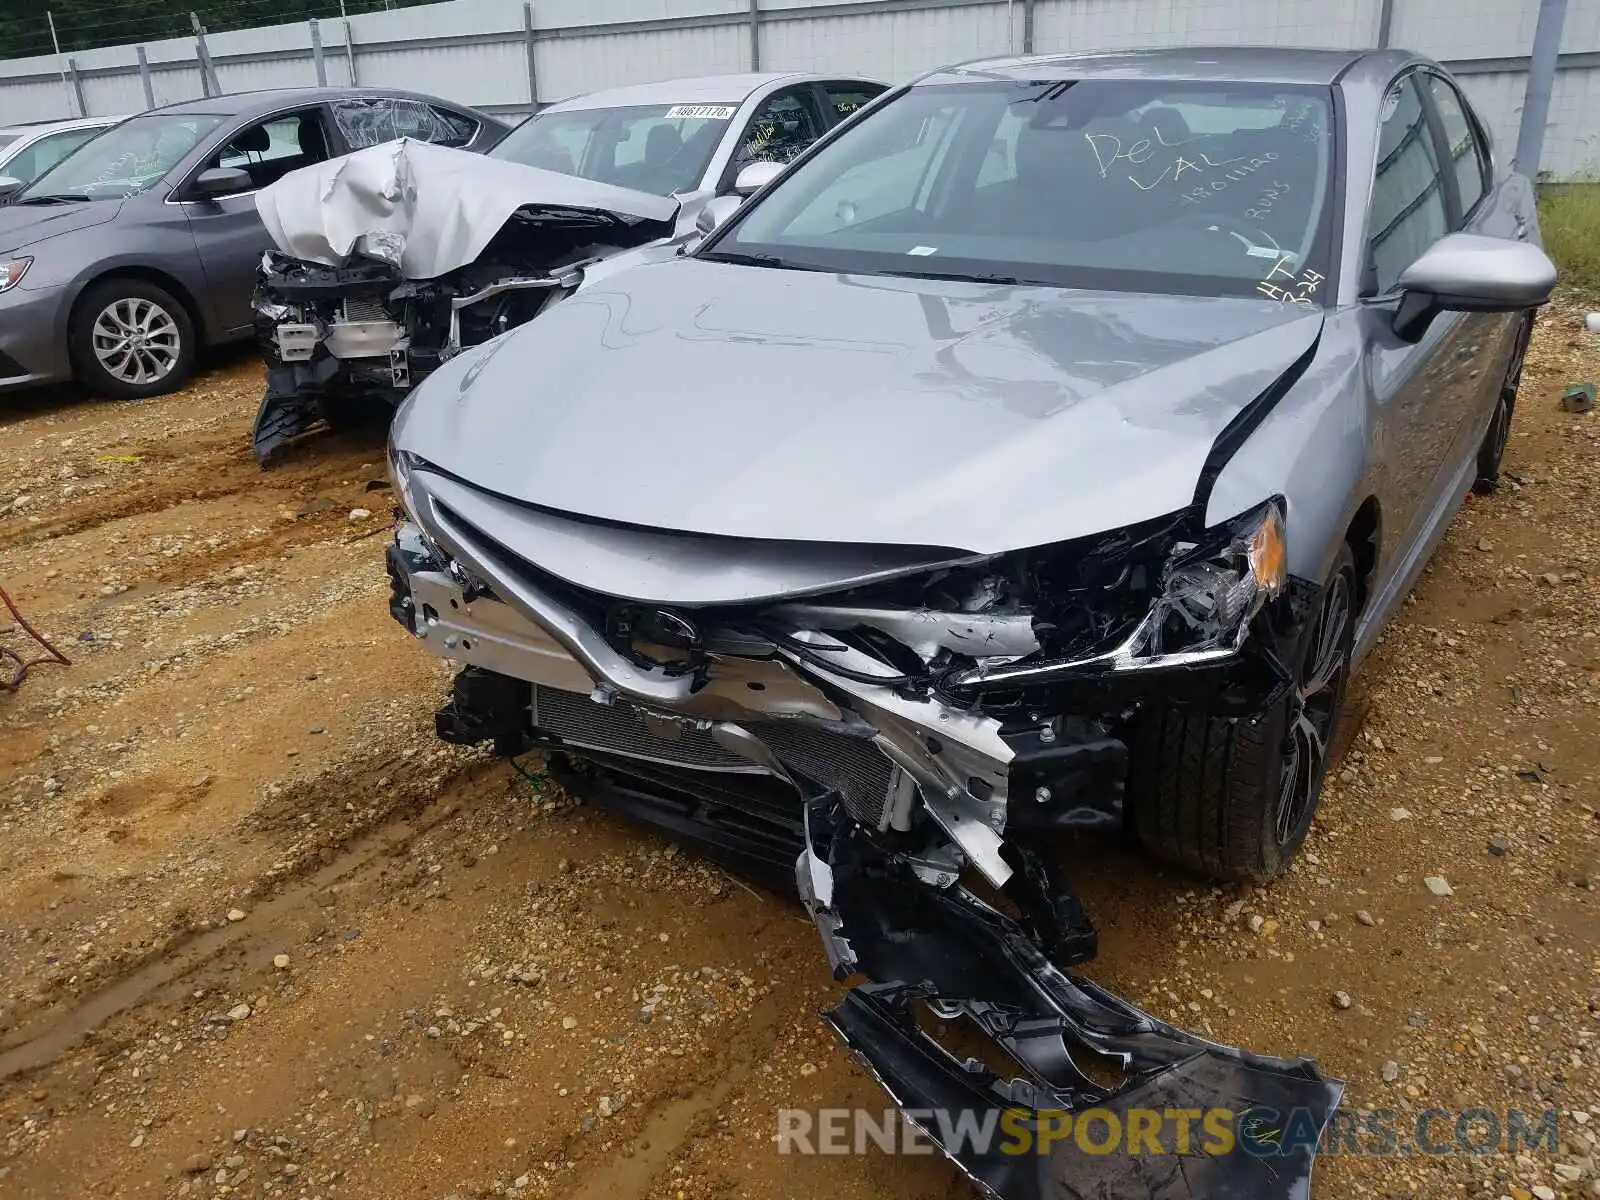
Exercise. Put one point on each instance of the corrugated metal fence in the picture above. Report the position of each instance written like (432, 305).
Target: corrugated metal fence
(510, 55)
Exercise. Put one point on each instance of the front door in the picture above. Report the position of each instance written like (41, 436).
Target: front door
(227, 229)
(1425, 394)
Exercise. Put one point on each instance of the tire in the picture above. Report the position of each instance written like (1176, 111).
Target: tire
(1214, 795)
(131, 339)
(1494, 441)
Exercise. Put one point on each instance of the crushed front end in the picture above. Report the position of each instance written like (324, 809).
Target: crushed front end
(896, 731)
(394, 259)
(345, 344)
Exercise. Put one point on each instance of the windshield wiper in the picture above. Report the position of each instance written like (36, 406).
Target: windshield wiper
(54, 198)
(755, 260)
(964, 277)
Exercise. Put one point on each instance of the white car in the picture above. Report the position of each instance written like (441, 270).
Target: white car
(368, 296)
(28, 151)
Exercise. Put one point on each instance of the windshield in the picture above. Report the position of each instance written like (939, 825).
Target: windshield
(1137, 185)
(658, 148)
(125, 160)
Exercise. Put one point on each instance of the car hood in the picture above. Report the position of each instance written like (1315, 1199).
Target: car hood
(23, 225)
(426, 209)
(760, 403)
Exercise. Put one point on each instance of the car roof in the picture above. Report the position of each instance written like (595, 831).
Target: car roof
(699, 89)
(32, 129)
(1231, 64)
(270, 100)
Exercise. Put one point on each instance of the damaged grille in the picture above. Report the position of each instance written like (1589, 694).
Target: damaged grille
(364, 310)
(617, 728)
(863, 777)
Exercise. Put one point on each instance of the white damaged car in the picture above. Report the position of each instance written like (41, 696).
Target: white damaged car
(392, 260)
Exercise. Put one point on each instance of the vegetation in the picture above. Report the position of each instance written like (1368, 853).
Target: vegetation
(82, 24)
(1569, 219)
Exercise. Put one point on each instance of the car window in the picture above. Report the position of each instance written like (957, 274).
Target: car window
(1187, 187)
(783, 126)
(269, 150)
(658, 148)
(1469, 156)
(897, 180)
(845, 97)
(1408, 210)
(372, 120)
(131, 158)
(38, 157)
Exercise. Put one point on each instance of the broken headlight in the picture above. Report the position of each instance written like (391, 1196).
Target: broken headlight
(1148, 598)
(401, 463)
(1211, 590)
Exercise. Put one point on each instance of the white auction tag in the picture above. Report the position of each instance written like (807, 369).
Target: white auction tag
(707, 112)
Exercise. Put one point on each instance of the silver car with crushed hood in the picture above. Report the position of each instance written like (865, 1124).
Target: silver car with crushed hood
(392, 263)
(1043, 449)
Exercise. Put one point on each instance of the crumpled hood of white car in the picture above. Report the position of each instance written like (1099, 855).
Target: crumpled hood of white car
(428, 209)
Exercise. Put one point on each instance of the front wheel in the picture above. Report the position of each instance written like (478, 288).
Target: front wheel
(1233, 798)
(1493, 448)
(131, 339)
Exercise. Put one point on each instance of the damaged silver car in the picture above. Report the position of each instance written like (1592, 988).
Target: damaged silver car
(1043, 449)
(392, 261)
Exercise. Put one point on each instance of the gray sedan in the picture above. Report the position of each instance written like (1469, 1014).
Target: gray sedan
(139, 248)
(1043, 448)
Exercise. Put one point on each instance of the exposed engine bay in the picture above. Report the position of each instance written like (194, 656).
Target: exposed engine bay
(393, 260)
(896, 737)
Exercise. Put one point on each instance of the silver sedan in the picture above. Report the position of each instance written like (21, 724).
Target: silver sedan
(1044, 448)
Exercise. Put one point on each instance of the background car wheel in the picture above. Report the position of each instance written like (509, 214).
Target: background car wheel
(1494, 441)
(1233, 799)
(131, 339)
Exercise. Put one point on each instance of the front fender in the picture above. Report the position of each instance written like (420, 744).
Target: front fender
(1313, 448)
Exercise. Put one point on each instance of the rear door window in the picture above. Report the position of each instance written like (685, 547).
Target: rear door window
(844, 97)
(372, 120)
(1469, 155)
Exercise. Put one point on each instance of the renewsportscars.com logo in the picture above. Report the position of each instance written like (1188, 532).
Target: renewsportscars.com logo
(1258, 1132)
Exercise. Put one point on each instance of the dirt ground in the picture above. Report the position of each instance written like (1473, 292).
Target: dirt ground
(261, 935)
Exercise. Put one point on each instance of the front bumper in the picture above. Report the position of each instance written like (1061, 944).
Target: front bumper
(881, 800)
(759, 711)
(33, 344)
(1186, 1119)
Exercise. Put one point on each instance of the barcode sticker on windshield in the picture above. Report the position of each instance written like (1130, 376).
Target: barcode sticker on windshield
(923, 250)
(704, 112)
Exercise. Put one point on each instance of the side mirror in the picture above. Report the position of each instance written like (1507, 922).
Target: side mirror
(755, 177)
(1466, 272)
(220, 181)
(716, 212)
(9, 187)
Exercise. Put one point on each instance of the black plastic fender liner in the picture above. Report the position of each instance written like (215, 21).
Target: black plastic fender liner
(950, 949)
(1250, 1129)
(285, 413)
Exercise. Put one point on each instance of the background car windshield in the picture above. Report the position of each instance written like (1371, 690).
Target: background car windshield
(125, 160)
(1210, 189)
(658, 148)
